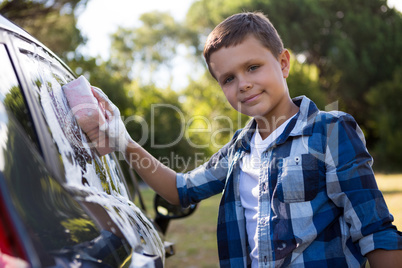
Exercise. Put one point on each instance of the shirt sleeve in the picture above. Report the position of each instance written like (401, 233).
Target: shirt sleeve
(351, 185)
(206, 180)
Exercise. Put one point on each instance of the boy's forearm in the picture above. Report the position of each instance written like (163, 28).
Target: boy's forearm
(159, 177)
(385, 258)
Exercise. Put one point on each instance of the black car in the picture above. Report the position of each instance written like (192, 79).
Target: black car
(61, 204)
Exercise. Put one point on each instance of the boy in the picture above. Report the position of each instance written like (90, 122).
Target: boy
(298, 188)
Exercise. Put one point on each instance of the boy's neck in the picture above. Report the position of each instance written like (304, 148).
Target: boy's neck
(268, 125)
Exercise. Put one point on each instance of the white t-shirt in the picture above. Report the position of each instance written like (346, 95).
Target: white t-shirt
(249, 190)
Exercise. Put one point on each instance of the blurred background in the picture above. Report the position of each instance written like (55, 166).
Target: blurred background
(345, 54)
(150, 52)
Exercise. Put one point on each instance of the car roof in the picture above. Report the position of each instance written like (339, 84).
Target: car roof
(11, 27)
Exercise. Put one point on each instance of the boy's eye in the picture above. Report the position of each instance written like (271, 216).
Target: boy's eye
(253, 67)
(228, 80)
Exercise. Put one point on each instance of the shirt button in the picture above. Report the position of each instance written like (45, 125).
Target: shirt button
(280, 164)
(265, 187)
(264, 221)
(282, 246)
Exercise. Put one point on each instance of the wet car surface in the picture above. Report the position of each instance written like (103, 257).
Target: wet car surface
(61, 204)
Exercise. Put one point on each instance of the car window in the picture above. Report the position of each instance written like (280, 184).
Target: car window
(10, 95)
(82, 165)
(35, 194)
(95, 179)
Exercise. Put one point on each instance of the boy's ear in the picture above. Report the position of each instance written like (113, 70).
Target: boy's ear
(284, 60)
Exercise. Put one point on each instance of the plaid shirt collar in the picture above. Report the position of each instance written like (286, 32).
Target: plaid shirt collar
(301, 124)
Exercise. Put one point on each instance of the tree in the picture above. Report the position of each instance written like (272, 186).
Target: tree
(211, 121)
(385, 117)
(356, 46)
(102, 74)
(53, 22)
(141, 51)
(304, 80)
(157, 122)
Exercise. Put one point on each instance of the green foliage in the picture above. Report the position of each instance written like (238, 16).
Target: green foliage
(103, 75)
(15, 102)
(352, 52)
(80, 229)
(149, 46)
(204, 15)
(157, 123)
(211, 119)
(356, 46)
(51, 22)
(304, 80)
(385, 116)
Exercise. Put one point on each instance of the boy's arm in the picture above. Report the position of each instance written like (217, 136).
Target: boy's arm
(158, 176)
(385, 258)
(351, 186)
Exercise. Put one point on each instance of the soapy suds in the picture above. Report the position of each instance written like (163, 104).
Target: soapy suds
(102, 185)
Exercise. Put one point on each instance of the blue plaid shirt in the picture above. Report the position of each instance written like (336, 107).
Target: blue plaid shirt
(319, 205)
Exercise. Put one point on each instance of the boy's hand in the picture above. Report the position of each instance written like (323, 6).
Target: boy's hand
(98, 117)
(113, 130)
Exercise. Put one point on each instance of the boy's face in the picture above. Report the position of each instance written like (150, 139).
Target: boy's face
(252, 79)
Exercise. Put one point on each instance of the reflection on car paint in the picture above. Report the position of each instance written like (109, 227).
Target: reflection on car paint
(11, 96)
(82, 166)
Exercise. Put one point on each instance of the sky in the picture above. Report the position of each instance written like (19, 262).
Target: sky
(102, 18)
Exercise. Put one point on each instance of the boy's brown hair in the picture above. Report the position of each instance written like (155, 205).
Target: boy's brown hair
(233, 30)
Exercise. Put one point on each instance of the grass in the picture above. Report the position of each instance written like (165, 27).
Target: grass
(195, 236)
(391, 187)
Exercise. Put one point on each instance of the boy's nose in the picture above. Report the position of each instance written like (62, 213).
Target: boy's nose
(245, 85)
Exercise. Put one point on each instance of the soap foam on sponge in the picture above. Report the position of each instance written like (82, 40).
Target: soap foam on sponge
(89, 113)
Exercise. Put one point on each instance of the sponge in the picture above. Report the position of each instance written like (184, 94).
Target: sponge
(89, 113)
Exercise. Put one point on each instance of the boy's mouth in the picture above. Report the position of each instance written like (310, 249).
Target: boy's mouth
(251, 98)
